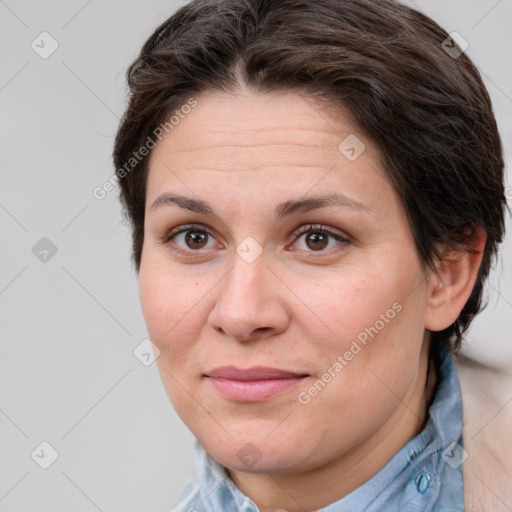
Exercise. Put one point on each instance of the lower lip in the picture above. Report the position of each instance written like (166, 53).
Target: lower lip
(254, 390)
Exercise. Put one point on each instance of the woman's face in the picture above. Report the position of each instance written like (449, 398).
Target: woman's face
(280, 281)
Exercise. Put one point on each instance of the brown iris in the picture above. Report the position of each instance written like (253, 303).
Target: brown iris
(196, 239)
(316, 240)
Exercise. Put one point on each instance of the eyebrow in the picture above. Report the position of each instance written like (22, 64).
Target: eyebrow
(282, 210)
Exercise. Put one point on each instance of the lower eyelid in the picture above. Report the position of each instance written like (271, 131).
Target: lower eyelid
(341, 243)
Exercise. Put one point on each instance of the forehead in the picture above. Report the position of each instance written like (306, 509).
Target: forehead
(285, 142)
(221, 121)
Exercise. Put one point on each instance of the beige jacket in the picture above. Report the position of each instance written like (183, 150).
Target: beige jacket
(487, 434)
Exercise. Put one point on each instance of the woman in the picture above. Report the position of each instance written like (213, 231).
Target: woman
(316, 195)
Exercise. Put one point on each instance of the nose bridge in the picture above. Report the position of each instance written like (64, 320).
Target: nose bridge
(247, 302)
(245, 282)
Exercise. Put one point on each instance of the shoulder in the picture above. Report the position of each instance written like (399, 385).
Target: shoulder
(487, 435)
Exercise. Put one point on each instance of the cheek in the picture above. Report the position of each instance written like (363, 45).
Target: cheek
(358, 304)
(374, 322)
(165, 311)
(379, 336)
(157, 300)
(171, 305)
(170, 299)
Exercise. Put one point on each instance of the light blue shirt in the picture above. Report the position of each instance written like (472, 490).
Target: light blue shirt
(425, 475)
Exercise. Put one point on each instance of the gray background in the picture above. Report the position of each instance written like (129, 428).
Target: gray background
(70, 323)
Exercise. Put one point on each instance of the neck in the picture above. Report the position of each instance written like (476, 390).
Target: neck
(329, 483)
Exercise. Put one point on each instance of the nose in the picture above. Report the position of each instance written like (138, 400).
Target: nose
(249, 305)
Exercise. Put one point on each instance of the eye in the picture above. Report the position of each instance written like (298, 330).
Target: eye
(318, 238)
(187, 239)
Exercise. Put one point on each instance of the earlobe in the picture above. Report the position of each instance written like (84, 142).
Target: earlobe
(451, 284)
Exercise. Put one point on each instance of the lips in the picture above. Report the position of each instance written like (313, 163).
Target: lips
(252, 384)
(255, 373)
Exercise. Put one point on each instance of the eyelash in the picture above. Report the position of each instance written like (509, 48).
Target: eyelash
(313, 228)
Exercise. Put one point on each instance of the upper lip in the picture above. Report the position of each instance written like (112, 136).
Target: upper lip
(254, 373)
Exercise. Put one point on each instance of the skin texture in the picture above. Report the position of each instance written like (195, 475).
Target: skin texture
(295, 307)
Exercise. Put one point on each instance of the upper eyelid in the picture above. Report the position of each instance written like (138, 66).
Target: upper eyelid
(305, 228)
(187, 227)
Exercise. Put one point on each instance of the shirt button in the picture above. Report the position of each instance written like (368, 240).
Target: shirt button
(423, 482)
(412, 455)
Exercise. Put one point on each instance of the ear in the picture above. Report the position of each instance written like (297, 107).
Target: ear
(451, 284)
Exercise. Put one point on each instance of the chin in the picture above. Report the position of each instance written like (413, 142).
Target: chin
(257, 454)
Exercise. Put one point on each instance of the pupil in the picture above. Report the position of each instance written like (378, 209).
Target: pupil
(194, 239)
(319, 240)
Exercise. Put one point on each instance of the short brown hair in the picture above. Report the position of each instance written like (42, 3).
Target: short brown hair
(425, 108)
